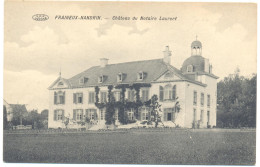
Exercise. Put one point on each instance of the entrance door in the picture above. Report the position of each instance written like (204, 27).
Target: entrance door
(169, 116)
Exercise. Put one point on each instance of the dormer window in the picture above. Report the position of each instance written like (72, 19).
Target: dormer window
(82, 80)
(101, 79)
(189, 68)
(140, 75)
(120, 77)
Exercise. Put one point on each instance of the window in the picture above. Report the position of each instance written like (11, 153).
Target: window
(91, 97)
(58, 115)
(208, 101)
(77, 98)
(102, 114)
(82, 80)
(59, 97)
(201, 115)
(78, 114)
(117, 95)
(120, 77)
(131, 114)
(103, 97)
(140, 76)
(189, 68)
(145, 95)
(195, 98)
(131, 95)
(91, 114)
(145, 114)
(169, 114)
(202, 99)
(167, 93)
(116, 114)
(101, 79)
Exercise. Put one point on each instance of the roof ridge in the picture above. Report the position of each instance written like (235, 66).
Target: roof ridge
(138, 61)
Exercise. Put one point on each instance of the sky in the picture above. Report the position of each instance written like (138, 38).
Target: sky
(36, 51)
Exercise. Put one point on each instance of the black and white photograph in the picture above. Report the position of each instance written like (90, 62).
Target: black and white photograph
(137, 83)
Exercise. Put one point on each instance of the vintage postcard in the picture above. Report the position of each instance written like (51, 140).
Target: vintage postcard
(162, 83)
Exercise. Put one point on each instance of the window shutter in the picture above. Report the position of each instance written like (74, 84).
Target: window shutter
(55, 115)
(74, 114)
(95, 113)
(82, 98)
(63, 97)
(128, 96)
(81, 112)
(161, 93)
(55, 97)
(149, 115)
(63, 115)
(165, 116)
(174, 92)
(133, 95)
(87, 113)
(139, 114)
(74, 98)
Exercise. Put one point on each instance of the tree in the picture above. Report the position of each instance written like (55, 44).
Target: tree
(5, 118)
(236, 101)
(155, 109)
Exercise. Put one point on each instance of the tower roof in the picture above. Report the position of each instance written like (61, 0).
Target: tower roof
(196, 44)
(196, 61)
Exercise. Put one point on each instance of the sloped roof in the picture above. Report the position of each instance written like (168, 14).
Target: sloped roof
(151, 68)
(196, 61)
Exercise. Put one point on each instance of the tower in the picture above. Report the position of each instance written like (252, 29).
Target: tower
(196, 48)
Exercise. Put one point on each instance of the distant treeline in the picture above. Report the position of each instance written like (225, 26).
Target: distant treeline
(236, 101)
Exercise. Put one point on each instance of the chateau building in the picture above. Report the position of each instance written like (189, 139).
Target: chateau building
(193, 87)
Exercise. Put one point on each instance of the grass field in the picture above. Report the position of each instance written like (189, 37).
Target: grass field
(212, 147)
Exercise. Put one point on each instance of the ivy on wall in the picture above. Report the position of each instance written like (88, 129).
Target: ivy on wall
(122, 105)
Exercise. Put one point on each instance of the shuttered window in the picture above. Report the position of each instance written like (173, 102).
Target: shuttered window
(117, 95)
(145, 95)
(59, 97)
(78, 98)
(145, 114)
(78, 114)
(58, 115)
(91, 114)
(130, 114)
(91, 97)
(103, 97)
(131, 95)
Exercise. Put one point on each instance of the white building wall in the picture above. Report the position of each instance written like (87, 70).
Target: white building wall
(184, 92)
(180, 93)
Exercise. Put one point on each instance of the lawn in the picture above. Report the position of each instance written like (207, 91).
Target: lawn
(140, 146)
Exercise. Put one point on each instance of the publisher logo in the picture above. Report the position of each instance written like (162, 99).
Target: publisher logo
(40, 17)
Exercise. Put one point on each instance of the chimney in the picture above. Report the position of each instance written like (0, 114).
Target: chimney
(103, 62)
(167, 55)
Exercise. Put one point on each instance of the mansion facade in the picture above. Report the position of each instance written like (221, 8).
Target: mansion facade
(194, 87)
